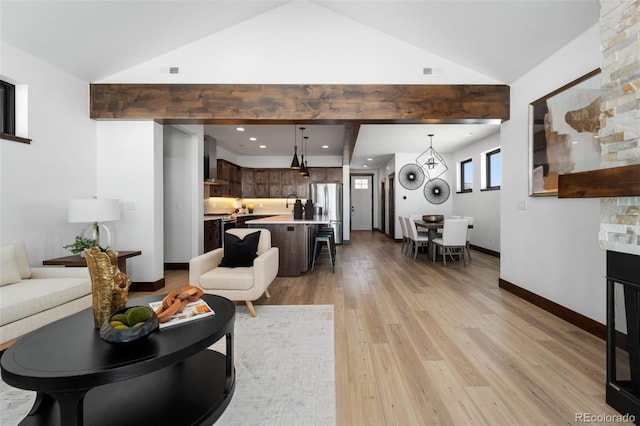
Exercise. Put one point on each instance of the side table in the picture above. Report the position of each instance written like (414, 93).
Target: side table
(76, 261)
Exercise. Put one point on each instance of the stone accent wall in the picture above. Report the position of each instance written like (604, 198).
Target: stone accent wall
(620, 118)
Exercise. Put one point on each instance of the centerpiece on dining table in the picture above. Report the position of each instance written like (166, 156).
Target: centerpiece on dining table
(433, 218)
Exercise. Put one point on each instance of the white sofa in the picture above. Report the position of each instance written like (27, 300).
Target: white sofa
(33, 297)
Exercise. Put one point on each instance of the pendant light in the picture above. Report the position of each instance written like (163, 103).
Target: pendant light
(303, 168)
(306, 167)
(295, 164)
(431, 162)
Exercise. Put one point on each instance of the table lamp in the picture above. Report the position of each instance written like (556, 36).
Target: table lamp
(95, 211)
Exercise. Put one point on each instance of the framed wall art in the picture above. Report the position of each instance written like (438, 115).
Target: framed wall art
(563, 133)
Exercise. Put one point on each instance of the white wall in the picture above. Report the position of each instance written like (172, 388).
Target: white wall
(484, 206)
(299, 42)
(130, 169)
(38, 180)
(551, 248)
(178, 215)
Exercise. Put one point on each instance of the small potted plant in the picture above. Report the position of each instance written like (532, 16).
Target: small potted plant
(79, 244)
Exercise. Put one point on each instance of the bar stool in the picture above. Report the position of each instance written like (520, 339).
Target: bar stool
(327, 230)
(324, 236)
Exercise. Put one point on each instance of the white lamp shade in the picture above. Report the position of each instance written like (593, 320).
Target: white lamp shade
(93, 210)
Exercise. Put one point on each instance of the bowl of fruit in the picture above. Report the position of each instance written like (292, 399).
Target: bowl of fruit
(129, 325)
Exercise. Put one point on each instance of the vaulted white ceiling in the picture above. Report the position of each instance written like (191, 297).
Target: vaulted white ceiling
(94, 39)
(499, 39)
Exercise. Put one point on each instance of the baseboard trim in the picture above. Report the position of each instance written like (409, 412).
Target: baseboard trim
(147, 286)
(572, 317)
(485, 251)
(178, 266)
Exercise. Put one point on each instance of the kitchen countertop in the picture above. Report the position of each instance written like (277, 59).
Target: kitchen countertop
(216, 216)
(288, 220)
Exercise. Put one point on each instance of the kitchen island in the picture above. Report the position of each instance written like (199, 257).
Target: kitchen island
(294, 239)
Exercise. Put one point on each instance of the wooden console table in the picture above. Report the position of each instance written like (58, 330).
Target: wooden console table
(77, 260)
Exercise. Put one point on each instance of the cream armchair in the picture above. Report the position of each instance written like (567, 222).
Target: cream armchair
(240, 283)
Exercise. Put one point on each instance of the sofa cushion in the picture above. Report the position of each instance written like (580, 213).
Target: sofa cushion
(21, 257)
(9, 273)
(28, 297)
(240, 278)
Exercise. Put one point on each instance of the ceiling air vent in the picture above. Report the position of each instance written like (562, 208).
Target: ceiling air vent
(432, 71)
(174, 70)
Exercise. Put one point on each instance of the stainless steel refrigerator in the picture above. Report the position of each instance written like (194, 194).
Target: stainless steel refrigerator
(328, 196)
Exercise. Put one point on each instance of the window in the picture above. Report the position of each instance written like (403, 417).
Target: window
(14, 121)
(466, 176)
(7, 108)
(493, 169)
(361, 183)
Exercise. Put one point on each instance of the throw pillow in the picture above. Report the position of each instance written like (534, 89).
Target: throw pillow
(240, 252)
(9, 272)
(21, 257)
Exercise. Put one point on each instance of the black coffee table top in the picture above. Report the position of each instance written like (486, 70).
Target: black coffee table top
(69, 354)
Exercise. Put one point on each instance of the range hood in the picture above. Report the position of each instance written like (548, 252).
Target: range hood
(211, 162)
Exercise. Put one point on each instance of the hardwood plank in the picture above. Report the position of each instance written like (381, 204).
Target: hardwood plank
(418, 344)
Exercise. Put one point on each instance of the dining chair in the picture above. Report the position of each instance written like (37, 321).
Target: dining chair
(405, 236)
(415, 217)
(468, 246)
(417, 239)
(453, 241)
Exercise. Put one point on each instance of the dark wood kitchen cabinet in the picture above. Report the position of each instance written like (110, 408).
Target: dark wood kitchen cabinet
(275, 185)
(211, 235)
(288, 181)
(325, 174)
(260, 183)
(230, 177)
(247, 183)
(250, 182)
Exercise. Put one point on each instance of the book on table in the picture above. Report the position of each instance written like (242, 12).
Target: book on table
(193, 311)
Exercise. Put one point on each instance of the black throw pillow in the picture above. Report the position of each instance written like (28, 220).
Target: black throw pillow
(240, 252)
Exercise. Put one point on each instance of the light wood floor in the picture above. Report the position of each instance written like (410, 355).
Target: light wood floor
(418, 344)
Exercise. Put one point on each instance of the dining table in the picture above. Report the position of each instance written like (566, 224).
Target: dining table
(432, 229)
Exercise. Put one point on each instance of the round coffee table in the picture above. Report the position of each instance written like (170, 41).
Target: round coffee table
(168, 378)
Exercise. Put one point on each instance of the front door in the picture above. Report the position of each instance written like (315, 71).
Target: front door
(361, 202)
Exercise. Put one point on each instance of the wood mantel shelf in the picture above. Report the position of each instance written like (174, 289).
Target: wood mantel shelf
(621, 181)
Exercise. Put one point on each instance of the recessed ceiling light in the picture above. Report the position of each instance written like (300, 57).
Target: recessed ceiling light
(325, 146)
(369, 159)
(263, 146)
(365, 166)
(253, 139)
(240, 129)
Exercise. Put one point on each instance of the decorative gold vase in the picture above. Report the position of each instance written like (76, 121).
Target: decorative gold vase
(109, 285)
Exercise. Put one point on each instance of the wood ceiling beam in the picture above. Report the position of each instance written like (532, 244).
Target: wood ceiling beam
(303, 103)
(349, 142)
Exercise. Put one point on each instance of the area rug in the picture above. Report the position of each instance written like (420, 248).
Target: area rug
(285, 370)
